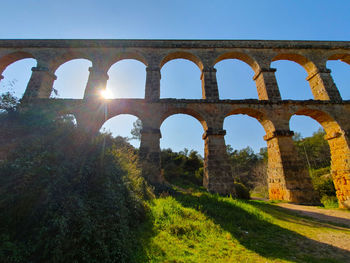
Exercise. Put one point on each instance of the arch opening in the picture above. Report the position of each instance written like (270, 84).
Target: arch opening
(8, 59)
(247, 152)
(127, 79)
(291, 80)
(325, 153)
(182, 150)
(72, 77)
(309, 140)
(235, 80)
(122, 125)
(16, 77)
(180, 80)
(182, 55)
(340, 71)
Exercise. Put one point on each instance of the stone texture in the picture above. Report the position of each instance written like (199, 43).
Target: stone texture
(288, 179)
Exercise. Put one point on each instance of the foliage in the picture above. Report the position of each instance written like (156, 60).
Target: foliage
(183, 167)
(65, 197)
(323, 182)
(203, 227)
(259, 180)
(8, 102)
(314, 150)
(329, 201)
(242, 191)
(136, 130)
(242, 164)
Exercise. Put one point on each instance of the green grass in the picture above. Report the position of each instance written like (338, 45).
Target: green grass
(200, 227)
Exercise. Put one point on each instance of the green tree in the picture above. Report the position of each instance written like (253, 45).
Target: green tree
(136, 130)
(314, 150)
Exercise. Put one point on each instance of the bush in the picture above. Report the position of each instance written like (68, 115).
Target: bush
(67, 198)
(183, 168)
(323, 182)
(329, 201)
(260, 191)
(242, 191)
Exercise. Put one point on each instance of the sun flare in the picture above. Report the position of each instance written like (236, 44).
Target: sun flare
(106, 94)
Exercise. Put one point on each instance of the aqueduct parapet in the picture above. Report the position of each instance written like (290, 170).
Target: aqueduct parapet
(288, 178)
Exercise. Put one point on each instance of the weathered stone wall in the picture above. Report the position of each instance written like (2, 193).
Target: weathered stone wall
(288, 179)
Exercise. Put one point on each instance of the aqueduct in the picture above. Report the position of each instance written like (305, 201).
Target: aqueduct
(287, 177)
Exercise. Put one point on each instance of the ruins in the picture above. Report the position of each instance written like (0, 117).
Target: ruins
(288, 179)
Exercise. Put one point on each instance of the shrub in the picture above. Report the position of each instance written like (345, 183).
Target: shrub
(323, 182)
(183, 168)
(67, 198)
(329, 201)
(242, 191)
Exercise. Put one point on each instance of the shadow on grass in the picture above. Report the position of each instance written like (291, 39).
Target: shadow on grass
(257, 234)
(292, 215)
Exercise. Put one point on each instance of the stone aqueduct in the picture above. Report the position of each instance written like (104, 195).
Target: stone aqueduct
(287, 177)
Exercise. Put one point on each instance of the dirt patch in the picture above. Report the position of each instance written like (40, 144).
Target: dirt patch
(326, 215)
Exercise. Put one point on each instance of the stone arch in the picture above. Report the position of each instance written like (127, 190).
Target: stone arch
(260, 116)
(181, 55)
(9, 60)
(12, 57)
(310, 70)
(239, 56)
(77, 87)
(60, 59)
(244, 133)
(115, 58)
(345, 57)
(135, 90)
(338, 64)
(198, 116)
(126, 119)
(329, 124)
(186, 65)
(122, 112)
(303, 61)
(235, 80)
(340, 152)
(264, 77)
(287, 178)
(187, 138)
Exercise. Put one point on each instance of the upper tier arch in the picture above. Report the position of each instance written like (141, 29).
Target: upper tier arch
(12, 57)
(240, 56)
(303, 61)
(181, 55)
(345, 57)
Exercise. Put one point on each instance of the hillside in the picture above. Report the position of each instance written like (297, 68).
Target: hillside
(195, 226)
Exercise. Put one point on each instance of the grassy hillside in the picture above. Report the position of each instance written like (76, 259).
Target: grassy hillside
(201, 227)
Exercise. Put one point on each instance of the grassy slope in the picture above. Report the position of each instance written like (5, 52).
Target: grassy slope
(200, 227)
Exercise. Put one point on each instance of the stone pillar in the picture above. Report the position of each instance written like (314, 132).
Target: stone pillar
(266, 84)
(96, 83)
(209, 84)
(288, 177)
(149, 154)
(322, 85)
(340, 156)
(217, 170)
(91, 116)
(40, 83)
(152, 89)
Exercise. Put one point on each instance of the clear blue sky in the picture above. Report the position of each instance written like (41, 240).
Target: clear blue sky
(204, 19)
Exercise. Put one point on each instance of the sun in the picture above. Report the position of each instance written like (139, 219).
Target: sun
(106, 94)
